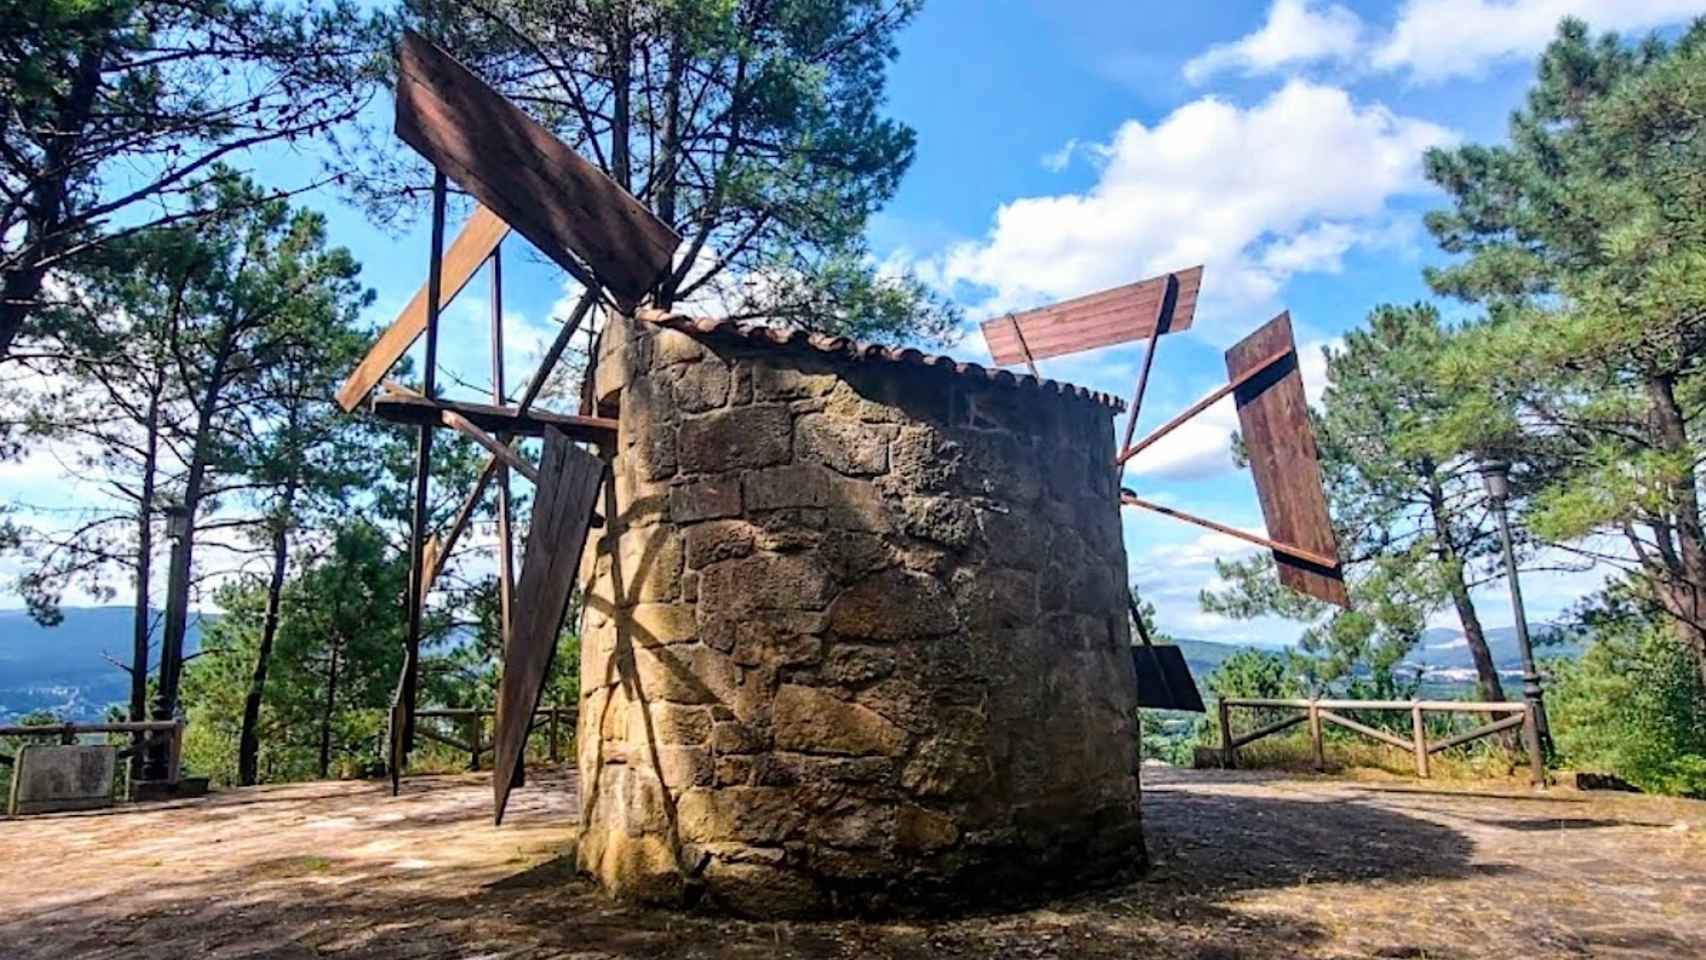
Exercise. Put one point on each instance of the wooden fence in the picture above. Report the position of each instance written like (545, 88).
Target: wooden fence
(1319, 712)
(474, 721)
(142, 730)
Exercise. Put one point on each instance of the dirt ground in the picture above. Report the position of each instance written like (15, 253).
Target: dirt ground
(1245, 865)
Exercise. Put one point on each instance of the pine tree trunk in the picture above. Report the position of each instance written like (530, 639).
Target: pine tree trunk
(327, 711)
(1486, 671)
(1684, 581)
(144, 572)
(248, 742)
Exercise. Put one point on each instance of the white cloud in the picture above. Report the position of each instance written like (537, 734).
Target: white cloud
(1296, 32)
(1439, 39)
(1060, 159)
(1259, 194)
(1430, 40)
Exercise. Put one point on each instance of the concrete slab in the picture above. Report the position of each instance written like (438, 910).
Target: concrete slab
(50, 778)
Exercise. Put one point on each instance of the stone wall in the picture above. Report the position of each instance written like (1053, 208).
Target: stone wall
(855, 638)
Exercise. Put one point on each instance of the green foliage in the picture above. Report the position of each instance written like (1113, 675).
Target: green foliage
(1633, 705)
(337, 653)
(1585, 238)
(115, 108)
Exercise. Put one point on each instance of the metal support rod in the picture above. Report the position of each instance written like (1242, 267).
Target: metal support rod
(506, 553)
(1321, 560)
(490, 469)
(1191, 411)
(1025, 348)
(403, 715)
(1163, 318)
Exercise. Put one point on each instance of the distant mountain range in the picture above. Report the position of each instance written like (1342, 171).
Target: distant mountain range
(66, 668)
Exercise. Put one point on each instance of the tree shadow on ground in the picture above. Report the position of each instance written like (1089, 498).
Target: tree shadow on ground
(1209, 850)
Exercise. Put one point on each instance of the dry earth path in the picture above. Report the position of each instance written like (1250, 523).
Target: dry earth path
(1245, 866)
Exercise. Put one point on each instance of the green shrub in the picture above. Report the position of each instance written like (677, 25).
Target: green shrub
(1633, 705)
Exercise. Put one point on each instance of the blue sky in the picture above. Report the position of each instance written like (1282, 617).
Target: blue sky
(1066, 147)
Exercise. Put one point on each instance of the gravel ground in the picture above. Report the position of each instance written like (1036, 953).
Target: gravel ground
(1245, 865)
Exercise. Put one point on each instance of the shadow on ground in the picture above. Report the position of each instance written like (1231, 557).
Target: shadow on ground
(1242, 868)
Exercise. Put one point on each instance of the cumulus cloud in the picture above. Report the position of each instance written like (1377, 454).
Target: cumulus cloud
(1439, 39)
(1430, 40)
(1296, 32)
(1259, 194)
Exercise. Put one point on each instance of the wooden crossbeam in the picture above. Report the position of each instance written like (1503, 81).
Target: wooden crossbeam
(1321, 560)
(1366, 730)
(1214, 396)
(480, 236)
(502, 451)
(1161, 323)
(403, 408)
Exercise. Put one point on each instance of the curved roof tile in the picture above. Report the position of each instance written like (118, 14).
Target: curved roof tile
(825, 343)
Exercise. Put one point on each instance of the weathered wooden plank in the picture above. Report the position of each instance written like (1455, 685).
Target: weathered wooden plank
(1097, 320)
(403, 408)
(570, 480)
(479, 237)
(564, 205)
(502, 451)
(1274, 416)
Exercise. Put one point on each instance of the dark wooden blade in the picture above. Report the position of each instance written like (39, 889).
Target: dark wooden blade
(570, 479)
(1098, 320)
(564, 205)
(1274, 417)
(1164, 680)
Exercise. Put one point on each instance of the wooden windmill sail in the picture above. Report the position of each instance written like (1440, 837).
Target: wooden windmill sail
(1265, 383)
(528, 181)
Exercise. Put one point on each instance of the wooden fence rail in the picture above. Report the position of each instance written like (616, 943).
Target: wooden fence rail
(473, 718)
(140, 729)
(1317, 713)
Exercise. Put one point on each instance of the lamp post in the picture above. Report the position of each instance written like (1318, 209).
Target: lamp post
(1496, 474)
(157, 764)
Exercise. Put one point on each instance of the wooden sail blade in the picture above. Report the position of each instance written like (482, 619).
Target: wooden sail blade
(570, 480)
(1131, 312)
(564, 205)
(479, 237)
(1274, 417)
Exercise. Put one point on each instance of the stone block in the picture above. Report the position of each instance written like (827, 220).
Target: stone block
(853, 664)
(918, 830)
(670, 347)
(745, 814)
(49, 778)
(809, 720)
(849, 555)
(718, 540)
(842, 444)
(657, 624)
(922, 460)
(707, 499)
(702, 386)
(739, 438)
(685, 674)
(763, 890)
(773, 381)
(648, 564)
(893, 605)
(763, 582)
(669, 724)
(781, 488)
(943, 520)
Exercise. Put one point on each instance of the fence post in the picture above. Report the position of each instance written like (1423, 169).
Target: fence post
(1226, 760)
(1531, 739)
(474, 738)
(1419, 732)
(555, 755)
(1315, 735)
(175, 752)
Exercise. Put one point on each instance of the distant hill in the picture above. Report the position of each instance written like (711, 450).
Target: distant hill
(65, 668)
(1444, 655)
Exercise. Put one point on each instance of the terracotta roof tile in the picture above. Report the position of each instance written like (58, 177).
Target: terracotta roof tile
(843, 346)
